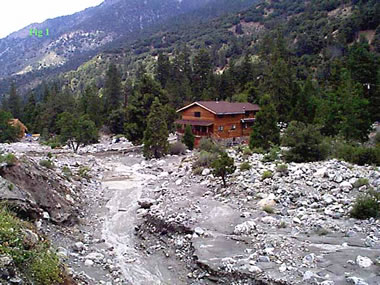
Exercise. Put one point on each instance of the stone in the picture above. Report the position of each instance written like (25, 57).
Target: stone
(263, 259)
(245, 228)
(328, 199)
(199, 231)
(178, 182)
(78, 246)
(15, 280)
(46, 215)
(296, 220)
(363, 261)
(30, 238)
(355, 281)
(88, 262)
(309, 258)
(254, 269)
(146, 203)
(95, 256)
(328, 282)
(5, 260)
(308, 275)
(206, 172)
(62, 252)
(282, 268)
(345, 185)
(267, 202)
(321, 172)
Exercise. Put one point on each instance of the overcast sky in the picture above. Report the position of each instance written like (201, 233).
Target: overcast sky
(16, 14)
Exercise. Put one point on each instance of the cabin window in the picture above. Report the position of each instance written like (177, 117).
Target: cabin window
(220, 116)
(233, 127)
(197, 114)
(220, 128)
(247, 113)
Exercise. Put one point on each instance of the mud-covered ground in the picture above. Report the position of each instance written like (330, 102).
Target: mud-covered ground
(155, 222)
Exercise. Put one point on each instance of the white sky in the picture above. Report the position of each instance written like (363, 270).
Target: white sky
(16, 14)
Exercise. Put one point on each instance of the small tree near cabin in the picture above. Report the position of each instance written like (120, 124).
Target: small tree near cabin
(265, 130)
(223, 166)
(188, 138)
(76, 132)
(156, 134)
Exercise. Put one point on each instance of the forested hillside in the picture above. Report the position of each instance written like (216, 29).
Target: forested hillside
(317, 60)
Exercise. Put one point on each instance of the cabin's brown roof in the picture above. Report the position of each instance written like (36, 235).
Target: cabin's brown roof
(222, 107)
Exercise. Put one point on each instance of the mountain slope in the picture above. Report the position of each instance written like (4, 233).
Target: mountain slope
(74, 39)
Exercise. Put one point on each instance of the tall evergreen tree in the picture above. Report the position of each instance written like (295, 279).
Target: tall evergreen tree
(113, 91)
(14, 102)
(163, 69)
(156, 134)
(265, 130)
(201, 71)
(305, 107)
(188, 138)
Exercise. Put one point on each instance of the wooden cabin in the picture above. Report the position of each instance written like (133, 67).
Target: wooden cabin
(222, 121)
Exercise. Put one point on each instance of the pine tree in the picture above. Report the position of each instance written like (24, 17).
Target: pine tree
(156, 134)
(202, 69)
(265, 130)
(305, 107)
(113, 92)
(223, 166)
(188, 138)
(163, 69)
(14, 102)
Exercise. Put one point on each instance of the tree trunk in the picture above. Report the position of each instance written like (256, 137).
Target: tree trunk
(224, 181)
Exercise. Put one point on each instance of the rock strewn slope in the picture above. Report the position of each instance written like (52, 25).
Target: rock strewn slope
(308, 239)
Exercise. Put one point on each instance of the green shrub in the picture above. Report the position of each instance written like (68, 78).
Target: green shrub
(367, 205)
(258, 150)
(305, 143)
(50, 155)
(66, 171)
(38, 263)
(282, 225)
(52, 142)
(282, 168)
(266, 174)
(177, 148)
(47, 163)
(247, 151)
(208, 145)
(10, 159)
(45, 268)
(205, 159)
(188, 138)
(268, 209)
(245, 166)
(377, 139)
(198, 170)
(356, 154)
(361, 182)
(272, 155)
(84, 172)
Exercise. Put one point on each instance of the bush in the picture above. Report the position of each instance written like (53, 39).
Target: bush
(361, 182)
(205, 159)
(10, 159)
(268, 209)
(208, 145)
(272, 155)
(266, 174)
(84, 172)
(38, 263)
(367, 206)
(177, 148)
(258, 150)
(305, 143)
(223, 166)
(282, 168)
(47, 163)
(247, 152)
(53, 143)
(188, 138)
(245, 166)
(356, 154)
(66, 171)
(198, 171)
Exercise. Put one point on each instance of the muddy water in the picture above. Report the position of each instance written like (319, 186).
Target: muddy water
(124, 185)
